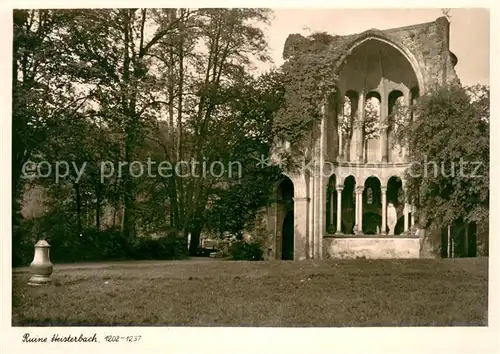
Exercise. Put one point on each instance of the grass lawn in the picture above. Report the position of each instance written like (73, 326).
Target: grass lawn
(360, 292)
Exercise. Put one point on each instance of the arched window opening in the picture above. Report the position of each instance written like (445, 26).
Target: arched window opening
(369, 196)
(372, 206)
(346, 125)
(393, 97)
(348, 205)
(331, 205)
(398, 110)
(395, 199)
(372, 115)
(349, 110)
(286, 191)
(414, 95)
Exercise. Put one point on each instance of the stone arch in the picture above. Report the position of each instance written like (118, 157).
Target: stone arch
(396, 108)
(361, 180)
(394, 197)
(414, 95)
(378, 35)
(276, 185)
(286, 190)
(300, 185)
(284, 237)
(374, 93)
(332, 114)
(376, 184)
(369, 62)
(371, 125)
(350, 110)
(373, 101)
(394, 186)
(348, 205)
(394, 95)
(331, 204)
(287, 244)
(398, 230)
(372, 206)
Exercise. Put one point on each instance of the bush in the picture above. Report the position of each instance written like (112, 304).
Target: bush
(67, 246)
(167, 247)
(107, 244)
(249, 251)
(23, 244)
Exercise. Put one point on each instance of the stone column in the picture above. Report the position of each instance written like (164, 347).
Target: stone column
(407, 101)
(412, 221)
(272, 222)
(450, 247)
(340, 188)
(405, 212)
(310, 221)
(359, 209)
(300, 216)
(407, 98)
(332, 200)
(383, 191)
(466, 239)
(356, 214)
(340, 119)
(359, 128)
(384, 113)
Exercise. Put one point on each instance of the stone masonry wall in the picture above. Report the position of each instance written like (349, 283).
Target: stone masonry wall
(372, 248)
(427, 42)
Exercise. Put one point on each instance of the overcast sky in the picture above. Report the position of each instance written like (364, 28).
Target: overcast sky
(469, 31)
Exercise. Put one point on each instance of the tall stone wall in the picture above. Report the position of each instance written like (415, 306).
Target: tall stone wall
(428, 43)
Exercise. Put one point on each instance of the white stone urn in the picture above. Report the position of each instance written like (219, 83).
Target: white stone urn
(392, 218)
(41, 268)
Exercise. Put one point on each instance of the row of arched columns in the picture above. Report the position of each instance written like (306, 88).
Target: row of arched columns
(373, 199)
(299, 220)
(351, 115)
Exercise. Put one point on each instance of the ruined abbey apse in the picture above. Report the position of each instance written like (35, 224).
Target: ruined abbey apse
(358, 208)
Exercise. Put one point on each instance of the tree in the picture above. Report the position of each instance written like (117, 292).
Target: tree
(127, 85)
(115, 49)
(248, 135)
(39, 93)
(202, 84)
(449, 150)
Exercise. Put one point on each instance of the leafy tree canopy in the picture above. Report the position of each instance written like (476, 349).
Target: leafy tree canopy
(449, 151)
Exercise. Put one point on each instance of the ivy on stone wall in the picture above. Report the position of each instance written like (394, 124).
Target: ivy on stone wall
(309, 76)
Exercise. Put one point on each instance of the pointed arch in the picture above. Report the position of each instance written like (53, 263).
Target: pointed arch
(382, 37)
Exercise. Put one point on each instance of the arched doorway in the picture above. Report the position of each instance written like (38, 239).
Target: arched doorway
(348, 205)
(395, 197)
(372, 206)
(288, 235)
(285, 215)
(331, 205)
(400, 226)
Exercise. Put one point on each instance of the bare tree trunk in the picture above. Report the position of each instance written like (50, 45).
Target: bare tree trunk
(78, 208)
(98, 207)
(449, 243)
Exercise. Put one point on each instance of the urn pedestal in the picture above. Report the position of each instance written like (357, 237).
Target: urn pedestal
(41, 268)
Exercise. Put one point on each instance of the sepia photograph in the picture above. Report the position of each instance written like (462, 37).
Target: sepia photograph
(249, 167)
